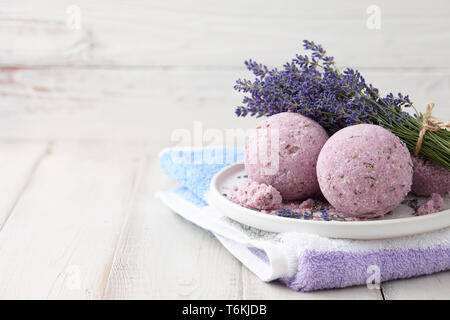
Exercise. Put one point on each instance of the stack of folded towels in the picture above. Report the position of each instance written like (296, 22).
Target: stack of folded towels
(304, 262)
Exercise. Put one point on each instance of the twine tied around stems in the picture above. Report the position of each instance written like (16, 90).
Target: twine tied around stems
(429, 123)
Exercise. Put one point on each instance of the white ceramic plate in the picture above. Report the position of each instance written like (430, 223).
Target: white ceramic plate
(399, 223)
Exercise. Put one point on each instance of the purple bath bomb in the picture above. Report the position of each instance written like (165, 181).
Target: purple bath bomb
(434, 204)
(258, 196)
(429, 177)
(282, 152)
(364, 170)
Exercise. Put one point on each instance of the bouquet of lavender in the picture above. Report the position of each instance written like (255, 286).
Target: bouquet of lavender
(313, 86)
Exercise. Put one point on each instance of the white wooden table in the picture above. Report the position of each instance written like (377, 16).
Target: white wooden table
(84, 112)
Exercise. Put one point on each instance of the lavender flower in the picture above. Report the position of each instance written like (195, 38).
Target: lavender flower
(313, 86)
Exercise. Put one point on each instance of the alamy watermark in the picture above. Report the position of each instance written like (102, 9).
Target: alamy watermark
(73, 20)
(73, 277)
(374, 279)
(373, 22)
(263, 147)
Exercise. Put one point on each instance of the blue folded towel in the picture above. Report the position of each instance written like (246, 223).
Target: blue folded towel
(303, 262)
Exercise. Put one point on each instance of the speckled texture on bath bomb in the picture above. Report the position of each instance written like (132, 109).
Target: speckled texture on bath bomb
(293, 171)
(429, 177)
(364, 170)
(258, 196)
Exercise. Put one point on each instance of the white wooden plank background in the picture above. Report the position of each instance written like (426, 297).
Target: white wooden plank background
(83, 114)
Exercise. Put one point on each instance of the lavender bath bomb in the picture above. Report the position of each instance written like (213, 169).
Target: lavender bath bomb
(258, 196)
(282, 152)
(364, 170)
(434, 204)
(429, 178)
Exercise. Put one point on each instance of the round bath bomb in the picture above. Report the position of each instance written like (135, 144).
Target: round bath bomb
(283, 151)
(429, 177)
(364, 170)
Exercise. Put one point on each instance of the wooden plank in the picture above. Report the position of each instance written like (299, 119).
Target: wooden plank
(162, 256)
(254, 288)
(116, 105)
(162, 33)
(148, 105)
(435, 287)
(18, 164)
(60, 238)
